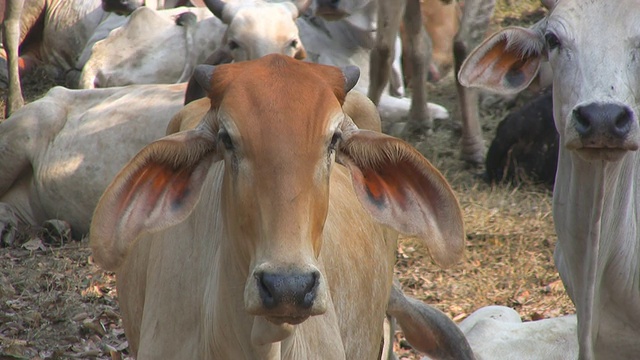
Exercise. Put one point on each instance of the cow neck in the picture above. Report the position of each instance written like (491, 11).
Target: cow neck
(595, 218)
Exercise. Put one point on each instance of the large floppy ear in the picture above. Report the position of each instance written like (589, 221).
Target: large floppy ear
(401, 189)
(158, 188)
(506, 62)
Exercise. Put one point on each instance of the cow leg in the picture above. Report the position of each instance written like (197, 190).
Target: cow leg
(388, 23)
(475, 20)
(418, 43)
(11, 40)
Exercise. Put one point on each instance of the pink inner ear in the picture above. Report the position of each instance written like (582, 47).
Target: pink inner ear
(156, 182)
(379, 187)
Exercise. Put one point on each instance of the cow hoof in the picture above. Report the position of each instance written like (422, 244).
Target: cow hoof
(475, 159)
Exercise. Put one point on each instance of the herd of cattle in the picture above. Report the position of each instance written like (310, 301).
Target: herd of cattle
(250, 204)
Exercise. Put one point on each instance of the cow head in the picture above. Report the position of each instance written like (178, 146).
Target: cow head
(121, 7)
(257, 28)
(278, 126)
(596, 71)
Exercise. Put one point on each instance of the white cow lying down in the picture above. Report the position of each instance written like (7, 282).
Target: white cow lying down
(58, 153)
(254, 28)
(592, 48)
(246, 236)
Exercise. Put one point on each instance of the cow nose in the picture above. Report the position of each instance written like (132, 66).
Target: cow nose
(290, 289)
(603, 119)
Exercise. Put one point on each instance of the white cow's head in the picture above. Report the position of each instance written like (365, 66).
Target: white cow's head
(257, 28)
(593, 48)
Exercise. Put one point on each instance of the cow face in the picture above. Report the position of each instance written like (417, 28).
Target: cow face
(259, 28)
(278, 157)
(278, 125)
(595, 73)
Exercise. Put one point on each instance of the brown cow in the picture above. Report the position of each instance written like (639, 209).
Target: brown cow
(243, 238)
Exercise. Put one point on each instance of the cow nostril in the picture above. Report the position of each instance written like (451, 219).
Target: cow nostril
(293, 289)
(334, 2)
(622, 123)
(266, 288)
(583, 121)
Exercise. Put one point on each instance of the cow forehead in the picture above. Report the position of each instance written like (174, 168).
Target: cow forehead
(277, 97)
(262, 17)
(600, 46)
(597, 17)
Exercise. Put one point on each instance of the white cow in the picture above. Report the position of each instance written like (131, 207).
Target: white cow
(255, 28)
(592, 48)
(46, 32)
(240, 31)
(58, 153)
(149, 47)
(243, 238)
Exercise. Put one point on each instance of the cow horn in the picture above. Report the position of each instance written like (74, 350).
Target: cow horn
(302, 5)
(216, 7)
(199, 84)
(351, 76)
(549, 4)
(297, 7)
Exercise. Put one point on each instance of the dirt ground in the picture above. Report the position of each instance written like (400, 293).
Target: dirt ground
(56, 304)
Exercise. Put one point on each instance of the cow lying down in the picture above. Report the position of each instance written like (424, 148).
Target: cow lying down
(269, 230)
(245, 30)
(59, 153)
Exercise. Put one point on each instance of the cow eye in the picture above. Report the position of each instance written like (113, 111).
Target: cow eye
(337, 136)
(551, 40)
(233, 45)
(294, 43)
(225, 139)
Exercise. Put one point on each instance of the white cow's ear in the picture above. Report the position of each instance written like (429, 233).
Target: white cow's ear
(402, 190)
(506, 62)
(158, 188)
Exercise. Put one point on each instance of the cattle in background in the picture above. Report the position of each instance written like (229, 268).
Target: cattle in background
(475, 20)
(333, 43)
(223, 200)
(132, 54)
(595, 76)
(51, 33)
(525, 147)
(241, 31)
(441, 21)
(59, 152)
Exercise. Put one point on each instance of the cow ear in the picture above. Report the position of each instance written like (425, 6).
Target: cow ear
(401, 189)
(506, 62)
(158, 188)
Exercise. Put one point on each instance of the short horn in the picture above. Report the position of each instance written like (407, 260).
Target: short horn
(302, 5)
(351, 75)
(216, 7)
(199, 84)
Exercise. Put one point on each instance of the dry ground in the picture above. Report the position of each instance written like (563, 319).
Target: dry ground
(55, 304)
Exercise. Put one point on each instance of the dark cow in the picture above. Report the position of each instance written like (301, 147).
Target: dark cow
(526, 145)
